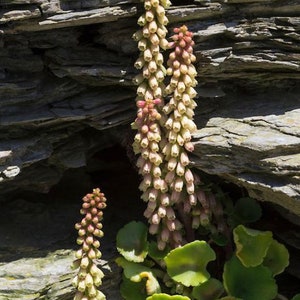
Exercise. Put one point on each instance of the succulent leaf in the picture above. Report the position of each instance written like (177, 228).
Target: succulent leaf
(277, 258)
(132, 241)
(251, 245)
(187, 264)
(248, 283)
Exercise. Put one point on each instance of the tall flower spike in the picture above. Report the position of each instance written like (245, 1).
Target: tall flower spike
(89, 276)
(149, 139)
(179, 126)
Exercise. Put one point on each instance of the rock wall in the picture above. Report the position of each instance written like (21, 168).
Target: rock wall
(66, 92)
(66, 67)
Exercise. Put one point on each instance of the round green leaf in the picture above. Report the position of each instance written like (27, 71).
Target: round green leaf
(208, 290)
(167, 297)
(132, 241)
(187, 264)
(247, 210)
(277, 258)
(250, 283)
(251, 245)
(296, 297)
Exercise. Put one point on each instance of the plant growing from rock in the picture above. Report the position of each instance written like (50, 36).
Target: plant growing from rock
(89, 276)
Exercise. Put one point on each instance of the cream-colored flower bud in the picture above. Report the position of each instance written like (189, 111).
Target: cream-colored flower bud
(144, 142)
(160, 11)
(161, 32)
(75, 281)
(148, 94)
(176, 73)
(191, 91)
(190, 112)
(154, 49)
(176, 126)
(157, 183)
(187, 80)
(163, 43)
(154, 39)
(142, 20)
(142, 44)
(165, 199)
(166, 150)
(147, 55)
(181, 108)
(181, 87)
(159, 59)
(192, 71)
(97, 280)
(156, 171)
(141, 90)
(149, 15)
(180, 169)
(178, 184)
(146, 72)
(175, 149)
(146, 168)
(92, 291)
(186, 99)
(169, 123)
(158, 92)
(153, 83)
(152, 26)
(162, 19)
(145, 153)
(81, 286)
(160, 76)
(89, 280)
(146, 33)
(177, 115)
(137, 35)
(171, 225)
(84, 262)
(172, 136)
(184, 158)
(190, 188)
(172, 163)
(80, 240)
(184, 69)
(186, 134)
(162, 211)
(152, 66)
(180, 140)
(79, 254)
(155, 219)
(147, 4)
(173, 84)
(140, 62)
(153, 195)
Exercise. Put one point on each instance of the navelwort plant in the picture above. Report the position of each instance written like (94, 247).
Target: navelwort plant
(194, 223)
